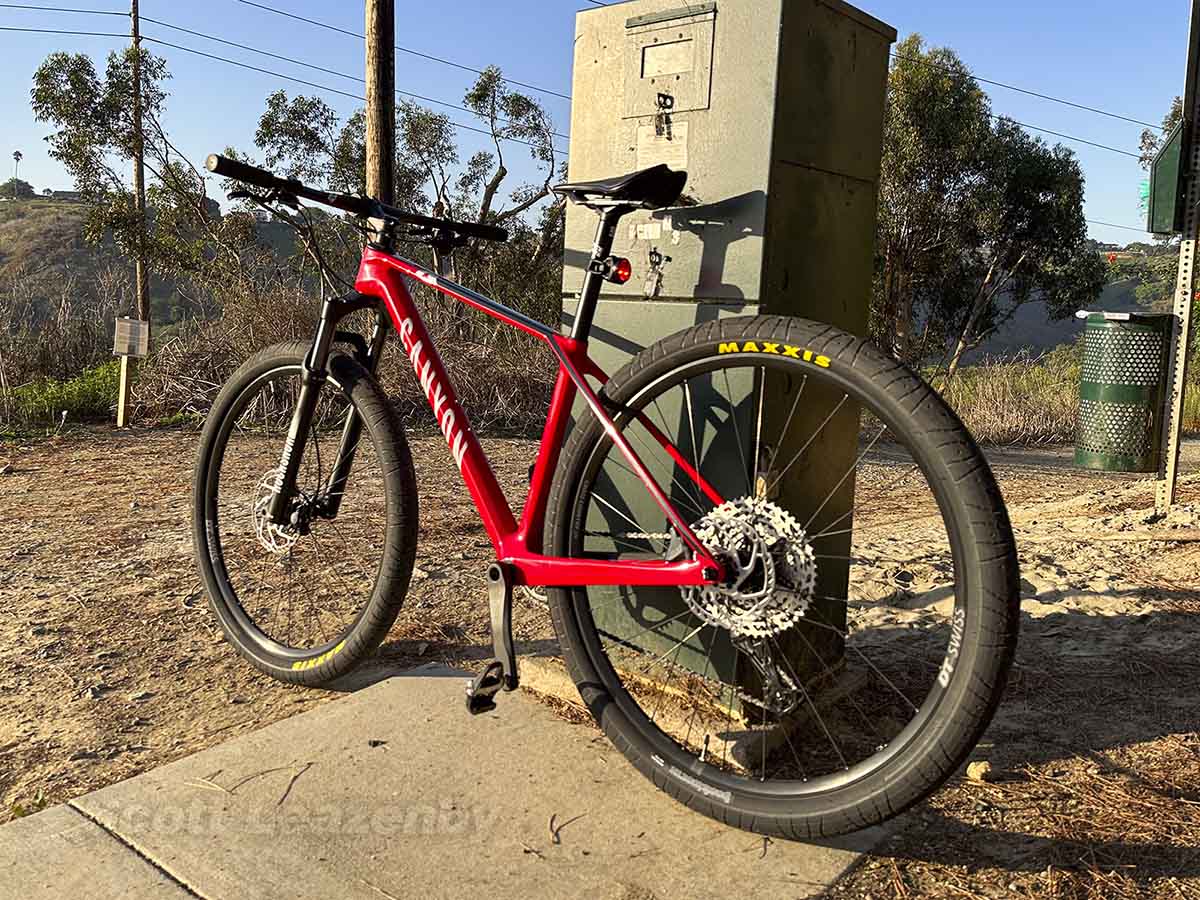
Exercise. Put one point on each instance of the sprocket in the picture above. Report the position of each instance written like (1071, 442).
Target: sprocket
(773, 571)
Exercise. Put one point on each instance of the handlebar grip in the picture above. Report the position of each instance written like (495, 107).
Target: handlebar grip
(240, 171)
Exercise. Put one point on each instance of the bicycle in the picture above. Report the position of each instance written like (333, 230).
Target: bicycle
(851, 660)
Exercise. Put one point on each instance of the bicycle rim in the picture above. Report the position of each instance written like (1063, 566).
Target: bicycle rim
(838, 694)
(293, 592)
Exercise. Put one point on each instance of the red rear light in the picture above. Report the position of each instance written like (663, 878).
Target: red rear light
(621, 269)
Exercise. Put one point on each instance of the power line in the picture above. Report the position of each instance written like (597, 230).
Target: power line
(598, 3)
(313, 84)
(408, 50)
(233, 62)
(1021, 90)
(94, 12)
(1067, 137)
(1071, 103)
(307, 65)
(1111, 225)
(249, 49)
(122, 36)
(994, 116)
(110, 34)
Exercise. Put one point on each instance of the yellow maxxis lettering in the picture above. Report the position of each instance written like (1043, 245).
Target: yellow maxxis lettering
(785, 350)
(307, 664)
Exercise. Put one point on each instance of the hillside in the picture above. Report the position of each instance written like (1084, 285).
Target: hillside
(1031, 328)
(46, 238)
(40, 235)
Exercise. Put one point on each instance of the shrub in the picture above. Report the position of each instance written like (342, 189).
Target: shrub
(503, 381)
(1027, 400)
(89, 397)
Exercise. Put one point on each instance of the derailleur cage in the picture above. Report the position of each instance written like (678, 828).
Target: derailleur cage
(780, 697)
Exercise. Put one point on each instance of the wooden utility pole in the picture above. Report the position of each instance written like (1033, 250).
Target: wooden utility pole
(1185, 289)
(381, 100)
(142, 275)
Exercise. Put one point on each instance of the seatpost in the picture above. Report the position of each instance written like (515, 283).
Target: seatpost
(606, 233)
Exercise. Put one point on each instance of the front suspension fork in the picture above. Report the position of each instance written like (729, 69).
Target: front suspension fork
(352, 431)
(315, 372)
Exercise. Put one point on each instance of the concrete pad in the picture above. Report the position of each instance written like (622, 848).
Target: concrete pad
(397, 792)
(59, 853)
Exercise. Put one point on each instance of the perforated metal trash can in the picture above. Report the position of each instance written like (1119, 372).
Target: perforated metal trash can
(1122, 391)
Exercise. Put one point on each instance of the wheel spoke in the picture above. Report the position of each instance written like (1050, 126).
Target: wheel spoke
(862, 665)
(737, 432)
(301, 597)
(808, 443)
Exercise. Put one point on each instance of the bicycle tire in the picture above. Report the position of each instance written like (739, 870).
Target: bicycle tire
(963, 481)
(315, 666)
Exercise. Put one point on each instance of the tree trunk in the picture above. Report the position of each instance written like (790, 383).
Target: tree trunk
(987, 293)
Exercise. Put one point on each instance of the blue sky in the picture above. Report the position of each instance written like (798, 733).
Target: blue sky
(1104, 54)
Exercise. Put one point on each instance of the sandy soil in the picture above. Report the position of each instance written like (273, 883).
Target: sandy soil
(1093, 762)
(110, 663)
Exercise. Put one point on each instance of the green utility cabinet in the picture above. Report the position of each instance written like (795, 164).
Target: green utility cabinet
(1123, 391)
(775, 108)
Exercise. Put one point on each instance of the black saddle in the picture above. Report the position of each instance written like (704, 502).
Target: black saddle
(655, 188)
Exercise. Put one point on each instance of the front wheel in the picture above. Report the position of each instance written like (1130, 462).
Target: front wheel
(308, 602)
(861, 643)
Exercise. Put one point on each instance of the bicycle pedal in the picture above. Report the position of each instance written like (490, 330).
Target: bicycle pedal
(482, 689)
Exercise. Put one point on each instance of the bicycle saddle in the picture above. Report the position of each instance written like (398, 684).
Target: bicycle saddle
(654, 188)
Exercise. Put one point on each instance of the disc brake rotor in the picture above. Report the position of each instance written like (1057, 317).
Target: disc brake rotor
(272, 537)
(773, 572)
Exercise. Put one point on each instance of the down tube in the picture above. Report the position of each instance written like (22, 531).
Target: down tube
(447, 412)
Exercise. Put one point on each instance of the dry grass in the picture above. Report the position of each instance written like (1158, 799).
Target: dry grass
(1033, 400)
(503, 381)
(1023, 401)
(1115, 826)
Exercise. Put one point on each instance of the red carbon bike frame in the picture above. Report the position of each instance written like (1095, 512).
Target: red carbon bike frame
(519, 545)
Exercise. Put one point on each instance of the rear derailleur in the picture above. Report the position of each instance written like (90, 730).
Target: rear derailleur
(781, 696)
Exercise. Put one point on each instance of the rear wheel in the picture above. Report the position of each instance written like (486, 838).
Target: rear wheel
(306, 603)
(862, 646)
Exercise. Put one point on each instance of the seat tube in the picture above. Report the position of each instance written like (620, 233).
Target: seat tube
(593, 280)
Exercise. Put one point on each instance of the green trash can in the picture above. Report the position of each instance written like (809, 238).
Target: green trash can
(1123, 391)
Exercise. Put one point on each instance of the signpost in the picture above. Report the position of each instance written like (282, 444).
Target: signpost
(130, 340)
(132, 336)
(1187, 178)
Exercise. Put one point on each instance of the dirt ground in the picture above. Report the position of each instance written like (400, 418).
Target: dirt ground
(110, 662)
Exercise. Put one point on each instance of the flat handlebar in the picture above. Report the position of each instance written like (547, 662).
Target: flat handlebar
(363, 207)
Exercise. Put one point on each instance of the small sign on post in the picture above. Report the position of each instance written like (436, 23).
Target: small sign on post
(131, 339)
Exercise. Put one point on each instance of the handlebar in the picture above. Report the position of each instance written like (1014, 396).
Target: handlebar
(362, 207)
